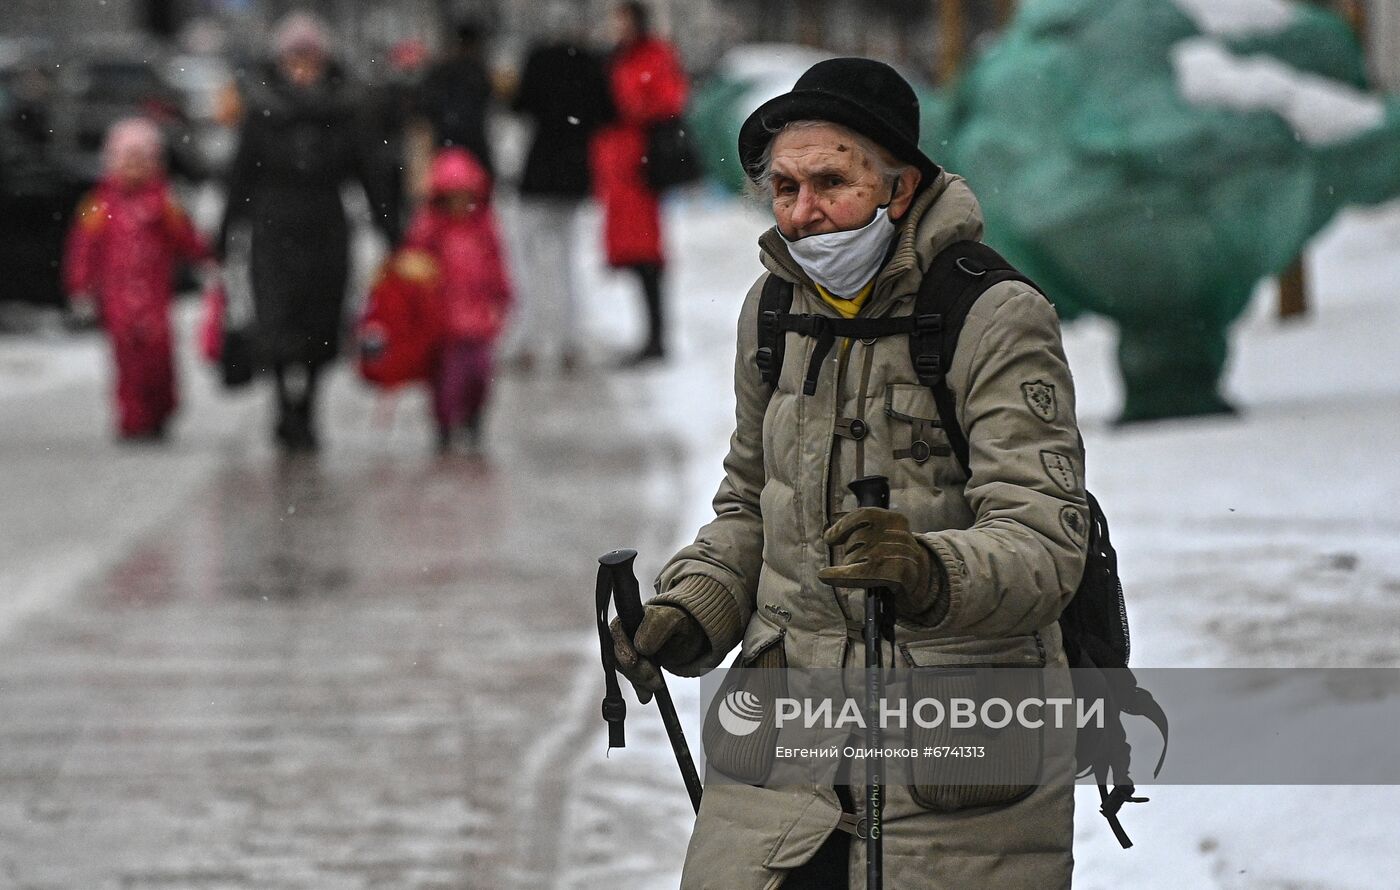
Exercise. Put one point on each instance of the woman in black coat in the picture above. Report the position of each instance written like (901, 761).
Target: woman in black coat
(299, 144)
(565, 92)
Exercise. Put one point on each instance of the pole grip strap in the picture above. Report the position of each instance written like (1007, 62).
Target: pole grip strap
(614, 707)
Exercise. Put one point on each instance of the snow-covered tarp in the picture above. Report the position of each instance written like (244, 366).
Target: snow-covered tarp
(1151, 161)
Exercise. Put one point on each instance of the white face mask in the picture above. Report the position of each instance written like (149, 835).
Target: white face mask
(843, 262)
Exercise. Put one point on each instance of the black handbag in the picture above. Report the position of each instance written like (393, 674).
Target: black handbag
(672, 158)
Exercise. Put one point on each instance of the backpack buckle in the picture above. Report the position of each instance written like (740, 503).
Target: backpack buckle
(764, 359)
(928, 364)
(931, 323)
(768, 318)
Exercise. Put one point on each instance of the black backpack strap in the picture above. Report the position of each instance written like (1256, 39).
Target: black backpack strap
(773, 304)
(1110, 802)
(775, 319)
(825, 329)
(1133, 699)
(1106, 753)
(960, 274)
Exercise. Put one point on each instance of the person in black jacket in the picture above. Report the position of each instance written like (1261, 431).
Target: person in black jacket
(564, 92)
(298, 145)
(455, 97)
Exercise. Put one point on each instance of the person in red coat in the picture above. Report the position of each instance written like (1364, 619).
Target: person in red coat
(127, 236)
(648, 85)
(457, 228)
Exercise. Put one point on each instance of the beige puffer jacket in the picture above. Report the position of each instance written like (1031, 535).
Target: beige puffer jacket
(1010, 541)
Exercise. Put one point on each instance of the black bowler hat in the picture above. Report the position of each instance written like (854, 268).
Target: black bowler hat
(867, 96)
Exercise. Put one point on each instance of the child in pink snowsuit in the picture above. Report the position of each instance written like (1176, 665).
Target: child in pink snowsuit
(458, 229)
(121, 254)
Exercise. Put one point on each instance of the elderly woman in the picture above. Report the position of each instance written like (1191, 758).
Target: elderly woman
(298, 146)
(976, 562)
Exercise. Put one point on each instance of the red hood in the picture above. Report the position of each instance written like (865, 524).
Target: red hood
(455, 169)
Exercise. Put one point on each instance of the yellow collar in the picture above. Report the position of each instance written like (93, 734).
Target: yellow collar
(849, 308)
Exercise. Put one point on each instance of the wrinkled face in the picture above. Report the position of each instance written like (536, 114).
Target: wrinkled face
(823, 182)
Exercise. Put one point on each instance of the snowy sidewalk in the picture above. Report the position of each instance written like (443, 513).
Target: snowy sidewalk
(224, 671)
(1268, 540)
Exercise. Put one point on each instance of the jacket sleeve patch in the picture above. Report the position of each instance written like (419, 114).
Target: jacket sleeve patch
(1072, 518)
(1060, 469)
(1040, 398)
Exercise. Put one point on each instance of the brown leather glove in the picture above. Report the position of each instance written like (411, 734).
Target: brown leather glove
(882, 552)
(667, 636)
(678, 627)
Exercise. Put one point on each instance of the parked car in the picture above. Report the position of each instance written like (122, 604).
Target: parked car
(100, 83)
(56, 104)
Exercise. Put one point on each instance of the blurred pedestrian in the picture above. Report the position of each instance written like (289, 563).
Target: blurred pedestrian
(388, 112)
(456, 96)
(648, 86)
(122, 252)
(299, 144)
(564, 92)
(457, 228)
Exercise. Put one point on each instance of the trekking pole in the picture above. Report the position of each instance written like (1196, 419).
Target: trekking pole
(627, 596)
(873, 491)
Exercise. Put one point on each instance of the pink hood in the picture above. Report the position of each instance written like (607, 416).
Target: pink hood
(454, 169)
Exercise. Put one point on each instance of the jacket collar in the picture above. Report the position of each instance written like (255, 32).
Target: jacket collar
(946, 211)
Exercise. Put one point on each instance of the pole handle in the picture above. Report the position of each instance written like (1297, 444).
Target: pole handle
(627, 598)
(871, 491)
(627, 594)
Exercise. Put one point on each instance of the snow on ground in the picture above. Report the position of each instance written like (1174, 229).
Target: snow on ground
(1272, 539)
(63, 486)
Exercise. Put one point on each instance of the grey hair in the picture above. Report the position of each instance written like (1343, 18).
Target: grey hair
(887, 167)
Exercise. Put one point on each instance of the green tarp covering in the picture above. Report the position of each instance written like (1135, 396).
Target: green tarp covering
(1124, 193)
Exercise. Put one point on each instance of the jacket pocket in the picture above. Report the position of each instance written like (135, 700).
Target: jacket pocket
(916, 430)
(911, 402)
(734, 745)
(998, 759)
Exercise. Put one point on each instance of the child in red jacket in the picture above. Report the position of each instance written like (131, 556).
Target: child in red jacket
(457, 227)
(120, 258)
